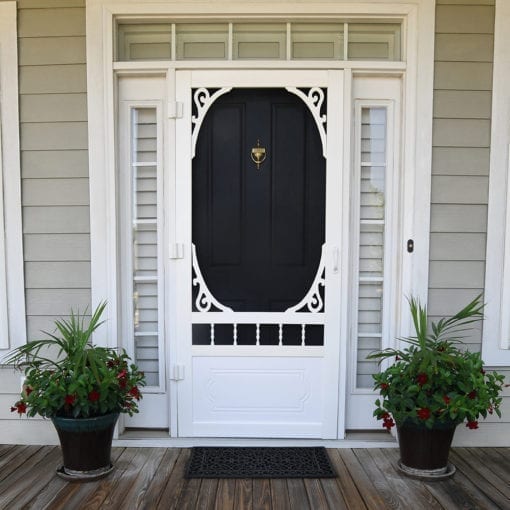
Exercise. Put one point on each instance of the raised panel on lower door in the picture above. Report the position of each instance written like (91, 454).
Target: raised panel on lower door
(260, 397)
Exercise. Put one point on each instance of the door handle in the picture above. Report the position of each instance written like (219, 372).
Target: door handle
(336, 259)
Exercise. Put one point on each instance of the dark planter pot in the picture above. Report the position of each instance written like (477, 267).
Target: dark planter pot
(424, 452)
(86, 446)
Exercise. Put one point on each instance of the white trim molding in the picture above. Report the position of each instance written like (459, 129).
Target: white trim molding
(416, 68)
(12, 288)
(496, 331)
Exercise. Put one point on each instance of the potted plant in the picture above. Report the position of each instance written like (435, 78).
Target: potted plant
(432, 386)
(82, 388)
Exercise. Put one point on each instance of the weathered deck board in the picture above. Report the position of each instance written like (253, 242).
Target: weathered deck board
(74, 494)
(21, 484)
(225, 495)
(150, 478)
(368, 490)
(243, 494)
(406, 489)
(207, 495)
(297, 494)
(176, 482)
(261, 494)
(346, 484)
(280, 494)
(478, 474)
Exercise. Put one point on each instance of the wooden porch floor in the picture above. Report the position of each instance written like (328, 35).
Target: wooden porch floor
(152, 478)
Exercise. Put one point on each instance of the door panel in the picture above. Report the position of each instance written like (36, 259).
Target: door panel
(285, 395)
(258, 233)
(258, 332)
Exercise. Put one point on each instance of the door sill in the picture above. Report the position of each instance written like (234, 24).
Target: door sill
(160, 438)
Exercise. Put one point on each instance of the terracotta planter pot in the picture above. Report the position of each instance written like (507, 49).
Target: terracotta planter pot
(86, 445)
(424, 452)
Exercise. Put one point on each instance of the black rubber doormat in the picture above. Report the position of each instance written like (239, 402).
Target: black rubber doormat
(259, 462)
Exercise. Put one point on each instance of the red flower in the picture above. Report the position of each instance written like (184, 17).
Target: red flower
(388, 424)
(472, 395)
(135, 392)
(388, 421)
(19, 407)
(422, 379)
(122, 383)
(446, 399)
(384, 386)
(473, 424)
(423, 413)
(110, 363)
(482, 371)
(28, 390)
(69, 399)
(490, 409)
(122, 374)
(93, 396)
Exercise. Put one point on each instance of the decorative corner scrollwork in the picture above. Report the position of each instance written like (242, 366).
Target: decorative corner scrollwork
(203, 101)
(314, 100)
(313, 301)
(204, 300)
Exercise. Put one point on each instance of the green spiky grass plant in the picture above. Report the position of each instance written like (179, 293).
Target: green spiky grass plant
(67, 375)
(434, 381)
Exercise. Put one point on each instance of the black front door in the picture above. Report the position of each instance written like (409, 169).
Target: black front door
(258, 232)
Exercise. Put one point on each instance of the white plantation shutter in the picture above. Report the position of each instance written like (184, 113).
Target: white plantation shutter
(372, 226)
(145, 260)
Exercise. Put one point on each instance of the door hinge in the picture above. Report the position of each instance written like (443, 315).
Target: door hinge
(177, 251)
(175, 110)
(177, 373)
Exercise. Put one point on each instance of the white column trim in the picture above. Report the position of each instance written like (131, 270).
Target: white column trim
(496, 330)
(12, 302)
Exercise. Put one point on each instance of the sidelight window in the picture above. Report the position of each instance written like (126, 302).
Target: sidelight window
(372, 130)
(141, 260)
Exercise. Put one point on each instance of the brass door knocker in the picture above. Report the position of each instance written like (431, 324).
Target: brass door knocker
(258, 155)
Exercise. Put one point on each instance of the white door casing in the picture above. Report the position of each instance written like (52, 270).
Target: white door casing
(260, 391)
(102, 73)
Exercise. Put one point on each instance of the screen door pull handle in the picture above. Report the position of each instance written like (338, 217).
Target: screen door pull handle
(336, 257)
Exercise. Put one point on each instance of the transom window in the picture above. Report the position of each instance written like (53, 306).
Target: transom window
(331, 40)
